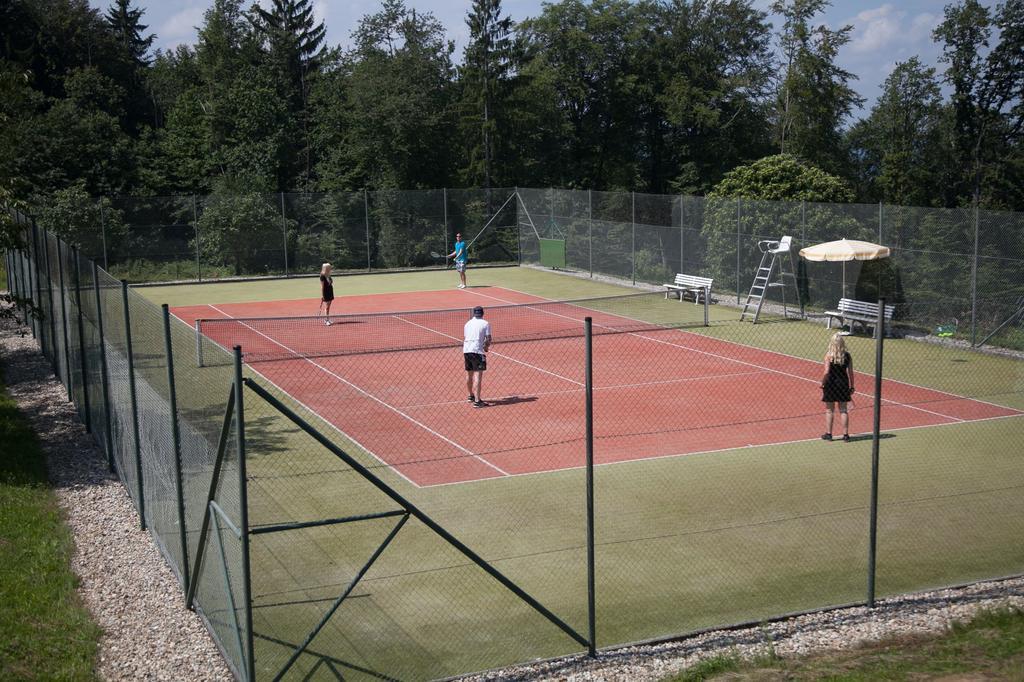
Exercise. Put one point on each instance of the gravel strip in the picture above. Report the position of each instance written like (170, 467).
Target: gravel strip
(150, 635)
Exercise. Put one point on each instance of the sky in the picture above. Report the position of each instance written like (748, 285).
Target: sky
(884, 33)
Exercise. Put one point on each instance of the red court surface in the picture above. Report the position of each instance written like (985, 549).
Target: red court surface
(661, 392)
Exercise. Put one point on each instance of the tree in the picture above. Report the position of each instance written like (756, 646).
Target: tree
(293, 45)
(814, 97)
(129, 69)
(715, 61)
(766, 199)
(898, 148)
(398, 104)
(782, 178)
(484, 79)
(988, 98)
(585, 51)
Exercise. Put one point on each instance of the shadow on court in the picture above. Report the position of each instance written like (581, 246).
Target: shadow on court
(512, 400)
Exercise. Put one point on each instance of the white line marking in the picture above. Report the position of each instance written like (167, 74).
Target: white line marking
(500, 355)
(372, 397)
(769, 369)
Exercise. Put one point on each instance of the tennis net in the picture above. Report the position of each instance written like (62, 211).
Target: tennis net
(264, 339)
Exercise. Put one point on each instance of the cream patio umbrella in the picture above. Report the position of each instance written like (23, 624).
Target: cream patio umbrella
(844, 250)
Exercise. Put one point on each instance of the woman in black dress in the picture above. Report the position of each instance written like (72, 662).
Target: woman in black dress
(326, 293)
(837, 385)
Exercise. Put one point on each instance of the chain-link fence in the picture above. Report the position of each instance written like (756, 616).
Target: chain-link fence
(970, 260)
(335, 507)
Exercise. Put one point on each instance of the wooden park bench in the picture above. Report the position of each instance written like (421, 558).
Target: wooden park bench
(693, 284)
(859, 312)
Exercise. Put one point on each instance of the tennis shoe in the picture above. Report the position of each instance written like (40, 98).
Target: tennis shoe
(826, 436)
(471, 398)
(479, 403)
(846, 438)
(327, 323)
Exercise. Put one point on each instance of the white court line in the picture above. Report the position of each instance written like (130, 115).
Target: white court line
(370, 396)
(500, 355)
(699, 453)
(768, 369)
(610, 387)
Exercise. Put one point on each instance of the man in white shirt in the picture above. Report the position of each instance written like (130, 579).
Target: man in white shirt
(477, 335)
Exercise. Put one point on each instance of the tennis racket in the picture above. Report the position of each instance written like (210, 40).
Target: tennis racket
(436, 256)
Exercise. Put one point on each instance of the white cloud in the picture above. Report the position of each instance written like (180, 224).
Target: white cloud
(877, 29)
(181, 27)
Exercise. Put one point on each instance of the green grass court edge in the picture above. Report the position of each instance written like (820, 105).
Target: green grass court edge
(989, 646)
(45, 631)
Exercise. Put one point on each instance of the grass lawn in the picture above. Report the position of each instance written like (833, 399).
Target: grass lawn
(45, 632)
(988, 647)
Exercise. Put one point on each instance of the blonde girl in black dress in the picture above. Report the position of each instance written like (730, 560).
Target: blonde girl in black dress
(326, 292)
(837, 385)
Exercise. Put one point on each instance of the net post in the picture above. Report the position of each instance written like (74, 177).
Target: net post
(104, 372)
(81, 341)
(64, 319)
(243, 504)
(199, 343)
(134, 403)
(588, 324)
(176, 441)
(875, 438)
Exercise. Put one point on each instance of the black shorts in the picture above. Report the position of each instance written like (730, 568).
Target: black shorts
(475, 362)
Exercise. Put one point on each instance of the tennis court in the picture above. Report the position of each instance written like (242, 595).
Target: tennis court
(660, 391)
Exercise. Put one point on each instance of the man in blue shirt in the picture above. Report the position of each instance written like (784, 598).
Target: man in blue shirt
(459, 254)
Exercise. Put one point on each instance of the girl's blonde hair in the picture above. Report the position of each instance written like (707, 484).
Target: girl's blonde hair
(324, 268)
(836, 352)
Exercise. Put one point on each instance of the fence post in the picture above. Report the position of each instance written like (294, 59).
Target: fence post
(35, 287)
(590, 230)
(589, 393)
(444, 199)
(682, 233)
(738, 251)
(103, 235)
(195, 229)
(633, 221)
(81, 341)
(519, 228)
(134, 402)
(284, 232)
(366, 215)
(104, 371)
(64, 319)
(176, 440)
(49, 304)
(974, 277)
(880, 222)
(875, 438)
(243, 503)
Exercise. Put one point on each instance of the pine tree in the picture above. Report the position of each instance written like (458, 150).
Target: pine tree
(487, 63)
(293, 41)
